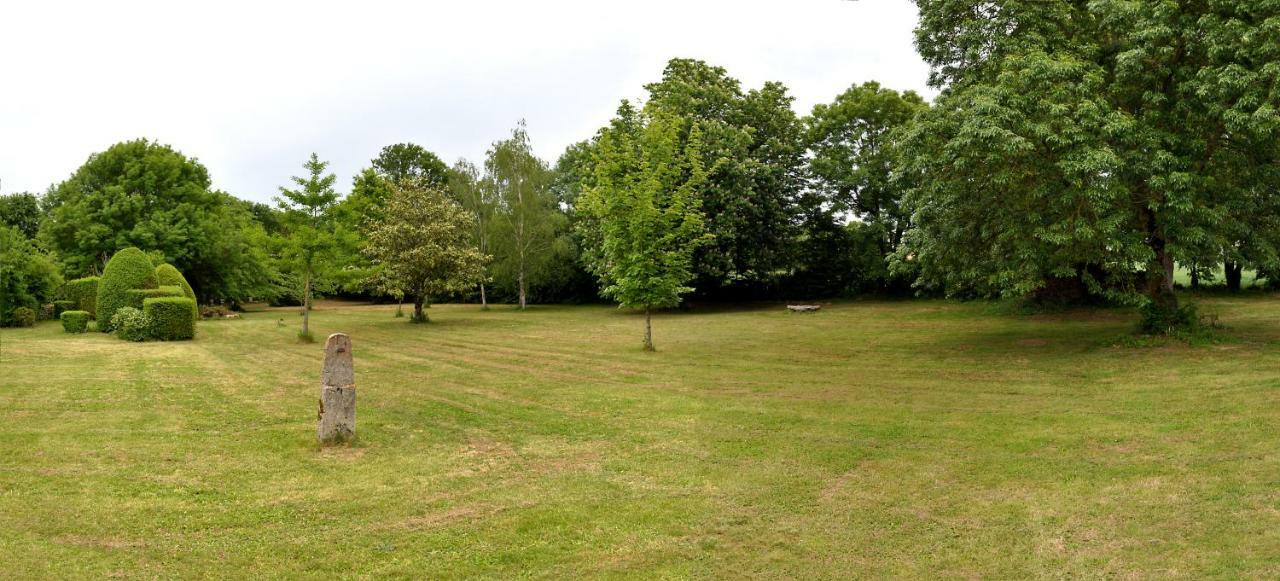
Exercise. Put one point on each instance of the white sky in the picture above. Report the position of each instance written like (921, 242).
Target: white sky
(251, 88)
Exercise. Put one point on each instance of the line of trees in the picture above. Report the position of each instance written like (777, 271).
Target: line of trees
(1076, 151)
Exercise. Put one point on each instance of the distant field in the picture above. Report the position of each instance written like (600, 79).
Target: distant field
(911, 439)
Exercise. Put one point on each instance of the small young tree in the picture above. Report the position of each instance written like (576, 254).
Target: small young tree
(309, 222)
(645, 212)
(424, 245)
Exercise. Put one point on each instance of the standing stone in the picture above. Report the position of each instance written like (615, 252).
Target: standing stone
(337, 419)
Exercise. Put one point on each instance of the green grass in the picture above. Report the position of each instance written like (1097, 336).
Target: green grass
(907, 439)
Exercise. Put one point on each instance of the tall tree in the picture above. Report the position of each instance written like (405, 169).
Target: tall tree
(21, 211)
(466, 188)
(852, 161)
(753, 148)
(527, 221)
(28, 276)
(309, 225)
(424, 246)
(147, 195)
(643, 207)
(1071, 136)
(409, 161)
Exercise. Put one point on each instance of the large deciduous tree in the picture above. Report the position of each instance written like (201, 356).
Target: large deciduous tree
(147, 195)
(643, 208)
(752, 147)
(425, 245)
(28, 276)
(1078, 138)
(411, 162)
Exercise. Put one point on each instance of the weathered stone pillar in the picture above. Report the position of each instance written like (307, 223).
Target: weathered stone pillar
(337, 419)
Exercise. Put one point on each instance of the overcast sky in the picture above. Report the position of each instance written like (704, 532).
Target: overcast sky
(251, 88)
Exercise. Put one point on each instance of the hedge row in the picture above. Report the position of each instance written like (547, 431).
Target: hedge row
(84, 293)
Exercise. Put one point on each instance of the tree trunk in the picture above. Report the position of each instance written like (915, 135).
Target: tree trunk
(418, 315)
(521, 287)
(1160, 281)
(484, 303)
(648, 330)
(1235, 274)
(1195, 275)
(306, 305)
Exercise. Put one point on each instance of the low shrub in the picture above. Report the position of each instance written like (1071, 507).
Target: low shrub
(1159, 321)
(75, 321)
(24, 317)
(46, 312)
(171, 318)
(216, 312)
(60, 307)
(83, 292)
(130, 324)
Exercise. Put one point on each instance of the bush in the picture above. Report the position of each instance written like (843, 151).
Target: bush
(171, 318)
(130, 324)
(60, 307)
(24, 317)
(84, 293)
(28, 277)
(75, 321)
(168, 275)
(216, 312)
(1158, 321)
(129, 269)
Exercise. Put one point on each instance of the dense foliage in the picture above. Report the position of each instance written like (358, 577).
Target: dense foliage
(1103, 140)
(128, 270)
(75, 321)
(170, 318)
(28, 277)
(21, 211)
(84, 293)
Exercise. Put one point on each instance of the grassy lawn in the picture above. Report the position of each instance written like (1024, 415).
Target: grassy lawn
(912, 439)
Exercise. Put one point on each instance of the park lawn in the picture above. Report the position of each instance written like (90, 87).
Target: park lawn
(909, 439)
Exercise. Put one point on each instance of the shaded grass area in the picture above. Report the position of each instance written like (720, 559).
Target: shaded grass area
(918, 438)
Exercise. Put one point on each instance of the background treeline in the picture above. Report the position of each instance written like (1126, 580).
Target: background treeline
(795, 207)
(1077, 152)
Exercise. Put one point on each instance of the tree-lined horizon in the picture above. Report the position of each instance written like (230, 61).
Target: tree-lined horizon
(1076, 152)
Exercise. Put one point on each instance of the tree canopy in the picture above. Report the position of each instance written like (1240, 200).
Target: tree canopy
(1078, 138)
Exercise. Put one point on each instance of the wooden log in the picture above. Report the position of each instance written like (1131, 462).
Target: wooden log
(803, 308)
(336, 421)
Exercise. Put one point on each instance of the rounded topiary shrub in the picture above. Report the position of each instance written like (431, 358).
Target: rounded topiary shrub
(83, 292)
(171, 318)
(128, 270)
(130, 324)
(75, 321)
(24, 317)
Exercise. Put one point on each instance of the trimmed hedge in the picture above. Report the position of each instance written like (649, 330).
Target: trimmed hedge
(24, 317)
(75, 321)
(129, 269)
(167, 274)
(84, 293)
(60, 307)
(138, 295)
(171, 318)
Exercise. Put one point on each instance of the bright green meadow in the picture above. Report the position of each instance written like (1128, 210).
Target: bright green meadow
(908, 439)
